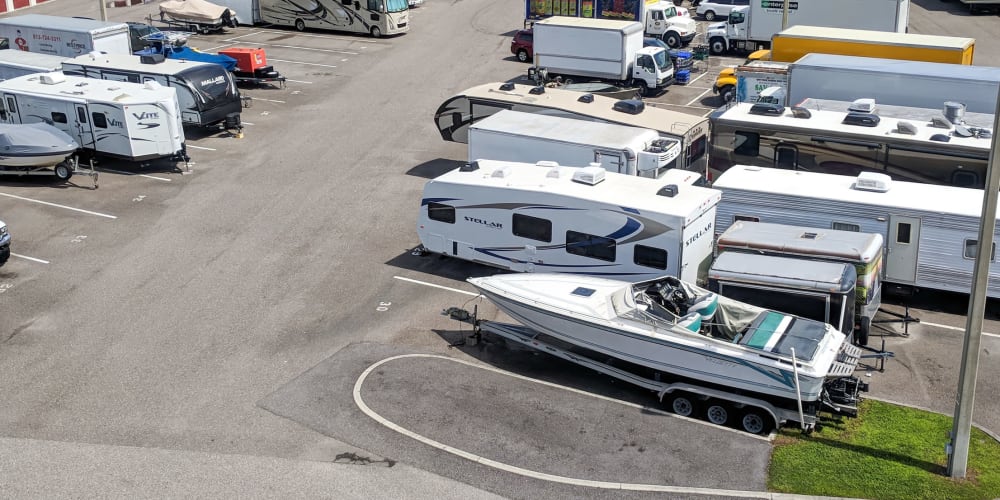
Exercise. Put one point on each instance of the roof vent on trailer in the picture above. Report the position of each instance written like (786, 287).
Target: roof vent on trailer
(586, 98)
(767, 109)
(861, 119)
(670, 190)
(507, 87)
(809, 236)
(862, 106)
(501, 173)
(472, 166)
(539, 89)
(52, 78)
(152, 59)
(630, 106)
(940, 122)
(589, 175)
(954, 111)
(800, 112)
(905, 128)
(873, 181)
(547, 163)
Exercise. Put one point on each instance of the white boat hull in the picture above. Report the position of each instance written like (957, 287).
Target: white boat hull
(40, 161)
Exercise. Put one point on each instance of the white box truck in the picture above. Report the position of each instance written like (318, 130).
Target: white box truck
(751, 27)
(663, 19)
(64, 36)
(531, 138)
(755, 78)
(600, 49)
(915, 84)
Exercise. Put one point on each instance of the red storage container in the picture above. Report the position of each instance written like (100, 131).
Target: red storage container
(247, 60)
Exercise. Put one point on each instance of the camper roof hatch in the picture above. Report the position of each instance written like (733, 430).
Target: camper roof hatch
(873, 181)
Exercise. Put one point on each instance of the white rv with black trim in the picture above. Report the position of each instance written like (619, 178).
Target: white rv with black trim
(551, 218)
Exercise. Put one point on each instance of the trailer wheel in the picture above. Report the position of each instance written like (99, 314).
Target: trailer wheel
(376, 33)
(63, 172)
(522, 55)
(709, 15)
(682, 404)
(717, 46)
(755, 421)
(300, 25)
(861, 337)
(672, 40)
(717, 413)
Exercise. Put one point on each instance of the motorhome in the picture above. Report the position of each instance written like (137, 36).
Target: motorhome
(529, 138)
(374, 17)
(944, 146)
(135, 121)
(206, 92)
(863, 251)
(931, 232)
(550, 218)
(456, 114)
(14, 63)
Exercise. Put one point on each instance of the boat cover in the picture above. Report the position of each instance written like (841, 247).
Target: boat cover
(190, 54)
(34, 139)
(198, 11)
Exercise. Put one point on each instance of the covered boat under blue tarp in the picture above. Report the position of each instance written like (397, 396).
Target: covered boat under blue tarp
(189, 54)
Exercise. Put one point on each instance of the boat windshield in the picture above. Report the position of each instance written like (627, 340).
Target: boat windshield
(780, 333)
(212, 84)
(396, 5)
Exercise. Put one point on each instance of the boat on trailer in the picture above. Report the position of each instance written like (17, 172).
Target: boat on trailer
(737, 352)
(28, 149)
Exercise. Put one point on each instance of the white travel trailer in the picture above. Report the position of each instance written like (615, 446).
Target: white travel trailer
(550, 218)
(15, 63)
(206, 92)
(526, 137)
(930, 231)
(127, 120)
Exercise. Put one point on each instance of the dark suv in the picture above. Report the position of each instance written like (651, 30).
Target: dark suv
(521, 45)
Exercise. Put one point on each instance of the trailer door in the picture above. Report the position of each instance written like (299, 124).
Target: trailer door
(10, 114)
(611, 161)
(903, 246)
(85, 131)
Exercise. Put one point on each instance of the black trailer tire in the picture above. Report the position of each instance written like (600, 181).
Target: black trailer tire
(682, 404)
(756, 421)
(63, 172)
(376, 33)
(709, 15)
(717, 413)
(300, 25)
(522, 55)
(717, 46)
(861, 336)
(672, 40)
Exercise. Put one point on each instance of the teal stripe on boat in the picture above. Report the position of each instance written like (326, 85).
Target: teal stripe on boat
(765, 330)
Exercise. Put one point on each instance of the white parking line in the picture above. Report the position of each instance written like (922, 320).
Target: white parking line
(230, 39)
(295, 81)
(164, 179)
(217, 47)
(955, 328)
(298, 47)
(25, 257)
(299, 62)
(328, 37)
(268, 100)
(699, 77)
(435, 286)
(247, 123)
(58, 205)
(699, 97)
(202, 147)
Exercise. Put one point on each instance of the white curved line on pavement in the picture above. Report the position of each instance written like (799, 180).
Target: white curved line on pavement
(610, 485)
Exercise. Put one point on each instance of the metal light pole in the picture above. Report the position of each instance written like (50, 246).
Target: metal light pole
(784, 16)
(958, 459)
(104, 9)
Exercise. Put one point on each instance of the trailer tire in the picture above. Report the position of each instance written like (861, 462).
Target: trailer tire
(63, 172)
(717, 46)
(673, 40)
(522, 55)
(861, 338)
(682, 404)
(717, 413)
(300, 25)
(709, 15)
(756, 421)
(376, 33)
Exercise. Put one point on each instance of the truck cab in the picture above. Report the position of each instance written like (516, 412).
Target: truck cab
(671, 23)
(4, 243)
(652, 69)
(731, 34)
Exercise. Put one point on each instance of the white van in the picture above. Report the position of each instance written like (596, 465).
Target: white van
(712, 9)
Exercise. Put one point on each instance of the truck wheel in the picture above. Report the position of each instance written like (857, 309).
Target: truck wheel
(682, 404)
(672, 40)
(717, 413)
(376, 32)
(644, 89)
(727, 93)
(63, 172)
(709, 15)
(755, 421)
(300, 25)
(522, 55)
(717, 46)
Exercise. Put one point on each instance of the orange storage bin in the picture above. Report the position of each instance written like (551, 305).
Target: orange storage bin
(247, 60)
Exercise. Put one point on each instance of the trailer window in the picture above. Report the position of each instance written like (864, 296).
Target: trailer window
(441, 212)
(972, 245)
(745, 218)
(58, 117)
(697, 149)
(589, 245)
(650, 257)
(786, 156)
(81, 115)
(746, 143)
(533, 228)
(903, 233)
(99, 120)
(800, 303)
(845, 226)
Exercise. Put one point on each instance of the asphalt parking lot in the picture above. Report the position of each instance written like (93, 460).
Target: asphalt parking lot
(226, 316)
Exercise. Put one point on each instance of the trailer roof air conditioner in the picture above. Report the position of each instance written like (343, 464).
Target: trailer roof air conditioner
(589, 175)
(766, 108)
(861, 119)
(630, 106)
(873, 181)
(52, 78)
(862, 106)
(906, 128)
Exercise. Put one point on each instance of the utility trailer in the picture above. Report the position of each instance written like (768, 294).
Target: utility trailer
(757, 414)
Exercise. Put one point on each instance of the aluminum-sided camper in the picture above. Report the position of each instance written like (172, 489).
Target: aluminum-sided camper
(15, 63)
(545, 218)
(206, 92)
(135, 121)
(939, 146)
(930, 231)
(529, 138)
(863, 251)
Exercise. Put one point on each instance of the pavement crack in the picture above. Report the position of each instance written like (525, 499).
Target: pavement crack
(355, 459)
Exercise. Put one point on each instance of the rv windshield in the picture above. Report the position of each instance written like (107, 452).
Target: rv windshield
(396, 5)
(212, 84)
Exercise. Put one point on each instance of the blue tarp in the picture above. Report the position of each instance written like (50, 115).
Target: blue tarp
(192, 55)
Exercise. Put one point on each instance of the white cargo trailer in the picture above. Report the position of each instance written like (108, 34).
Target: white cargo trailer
(65, 36)
(601, 49)
(930, 231)
(915, 84)
(14, 63)
(530, 138)
(535, 218)
(751, 27)
(135, 121)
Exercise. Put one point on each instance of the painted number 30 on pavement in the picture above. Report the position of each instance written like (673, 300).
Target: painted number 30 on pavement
(383, 306)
